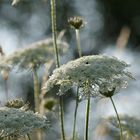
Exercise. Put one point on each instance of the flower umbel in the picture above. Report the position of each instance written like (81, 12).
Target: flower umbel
(35, 55)
(103, 74)
(131, 126)
(19, 122)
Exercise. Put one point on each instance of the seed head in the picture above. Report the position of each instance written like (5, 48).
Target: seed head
(95, 75)
(76, 22)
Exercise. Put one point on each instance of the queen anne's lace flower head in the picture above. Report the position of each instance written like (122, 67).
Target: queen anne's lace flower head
(94, 75)
(35, 55)
(131, 126)
(20, 122)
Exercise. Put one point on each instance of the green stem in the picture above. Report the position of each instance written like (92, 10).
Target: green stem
(77, 31)
(6, 89)
(75, 114)
(29, 138)
(62, 118)
(87, 118)
(54, 31)
(54, 35)
(120, 126)
(36, 90)
(80, 55)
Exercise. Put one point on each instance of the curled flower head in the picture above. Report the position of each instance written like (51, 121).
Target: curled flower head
(76, 22)
(35, 54)
(19, 122)
(94, 75)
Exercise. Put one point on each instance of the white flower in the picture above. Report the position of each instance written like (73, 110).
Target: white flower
(96, 74)
(35, 55)
(19, 122)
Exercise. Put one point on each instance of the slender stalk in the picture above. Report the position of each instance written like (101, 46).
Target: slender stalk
(87, 118)
(36, 98)
(6, 89)
(120, 126)
(54, 35)
(54, 31)
(77, 31)
(29, 138)
(36, 90)
(75, 114)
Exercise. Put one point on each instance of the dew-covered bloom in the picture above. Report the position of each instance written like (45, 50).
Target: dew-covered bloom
(36, 54)
(20, 122)
(95, 75)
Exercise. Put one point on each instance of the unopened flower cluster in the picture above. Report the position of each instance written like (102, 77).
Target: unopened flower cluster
(94, 75)
(35, 55)
(19, 122)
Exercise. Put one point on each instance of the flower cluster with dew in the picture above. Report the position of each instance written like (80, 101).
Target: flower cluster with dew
(94, 75)
(131, 126)
(35, 55)
(20, 122)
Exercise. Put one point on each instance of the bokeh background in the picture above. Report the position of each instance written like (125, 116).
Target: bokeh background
(112, 27)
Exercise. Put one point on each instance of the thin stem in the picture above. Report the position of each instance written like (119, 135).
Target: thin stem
(80, 55)
(54, 35)
(36, 97)
(36, 90)
(75, 114)
(62, 118)
(87, 118)
(54, 31)
(121, 131)
(77, 31)
(6, 89)
(29, 138)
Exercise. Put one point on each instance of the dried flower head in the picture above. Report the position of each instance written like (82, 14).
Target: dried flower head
(19, 122)
(35, 54)
(17, 103)
(95, 75)
(76, 22)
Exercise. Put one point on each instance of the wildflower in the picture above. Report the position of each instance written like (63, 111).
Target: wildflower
(131, 126)
(19, 122)
(17, 103)
(94, 75)
(76, 22)
(35, 54)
